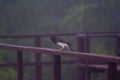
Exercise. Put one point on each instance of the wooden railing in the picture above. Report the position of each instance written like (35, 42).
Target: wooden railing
(82, 55)
(110, 60)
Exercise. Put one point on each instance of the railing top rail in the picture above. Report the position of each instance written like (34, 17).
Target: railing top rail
(92, 34)
(86, 56)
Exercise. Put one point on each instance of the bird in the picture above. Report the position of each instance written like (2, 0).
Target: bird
(61, 42)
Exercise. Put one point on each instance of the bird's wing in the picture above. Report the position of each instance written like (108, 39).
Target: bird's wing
(60, 40)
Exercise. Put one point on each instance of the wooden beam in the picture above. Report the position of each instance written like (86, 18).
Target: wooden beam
(112, 71)
(92, 34)
(19, 65)
(38, 60)
(57, 67)
(91, 57)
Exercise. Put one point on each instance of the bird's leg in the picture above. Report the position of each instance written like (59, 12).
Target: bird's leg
(60, 49)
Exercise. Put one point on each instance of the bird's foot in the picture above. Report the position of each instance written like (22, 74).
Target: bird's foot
(59, 49)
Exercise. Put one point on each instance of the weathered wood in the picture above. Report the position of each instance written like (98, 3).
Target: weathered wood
(112, 71)
(92, 34)
(83, 46)
(19, 65)
(118, 45)
(33, 63)
(38, 60)
(57, 67)
(118, 51)
(83, 54)
(97, 67)
(91, 57)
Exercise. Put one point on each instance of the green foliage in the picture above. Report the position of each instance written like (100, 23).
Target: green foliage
(74, 17)
(92, 16)
(7, 56)
(104, 46)
(38, 16)
(7, 74)
(98, 76)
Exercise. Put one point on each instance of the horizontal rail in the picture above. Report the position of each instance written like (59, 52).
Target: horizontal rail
(33, 63)
(92, 34)
(96, 67)
(86, 56)
(100, 35)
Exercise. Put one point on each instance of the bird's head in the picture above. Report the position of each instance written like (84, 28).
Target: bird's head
(53, 38)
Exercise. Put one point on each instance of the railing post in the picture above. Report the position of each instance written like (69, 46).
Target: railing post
(112, 71)
(19, 65)
(38, 66)
(83, 46)
(118, 52)
(118, 45)
(57, 67)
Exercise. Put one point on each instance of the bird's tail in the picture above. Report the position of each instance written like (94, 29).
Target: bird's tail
(70, 48)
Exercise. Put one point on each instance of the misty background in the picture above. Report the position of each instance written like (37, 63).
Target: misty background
(56, 16)
(44, 16)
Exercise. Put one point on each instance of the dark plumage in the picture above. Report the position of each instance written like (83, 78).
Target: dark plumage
(61, 42)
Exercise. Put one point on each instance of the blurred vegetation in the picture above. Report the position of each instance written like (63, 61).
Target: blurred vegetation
(56, 16)
(38, 16)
